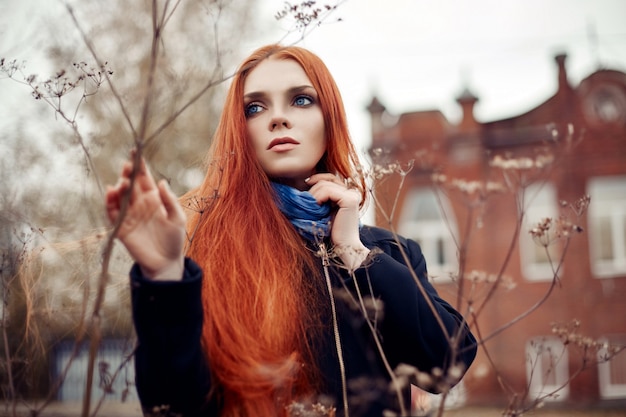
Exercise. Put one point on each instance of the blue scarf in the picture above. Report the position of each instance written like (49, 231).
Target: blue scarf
(310, 219)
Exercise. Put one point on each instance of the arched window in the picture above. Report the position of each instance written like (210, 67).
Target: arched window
(612, 369)
(607, 226)
(547, 368)
(426, 217)
(539, 262)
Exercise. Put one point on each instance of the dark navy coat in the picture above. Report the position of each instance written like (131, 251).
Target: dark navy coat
(170, 365)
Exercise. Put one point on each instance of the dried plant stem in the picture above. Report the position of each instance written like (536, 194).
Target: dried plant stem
(147, 102)
(7, 351)
(71, 121)
(99, 62)
(452, 340)
(394, 380)
(463, 257)
(407, 261)
(94, 324)
(122, 365)
(539, 303)
(503, 266)
(499, 376)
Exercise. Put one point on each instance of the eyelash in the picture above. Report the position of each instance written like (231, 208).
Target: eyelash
(254, 104)
(247, 111)
(304, 96)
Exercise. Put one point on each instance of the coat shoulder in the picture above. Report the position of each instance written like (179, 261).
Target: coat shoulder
(373, 236)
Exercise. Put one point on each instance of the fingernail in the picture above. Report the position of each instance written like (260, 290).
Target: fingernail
(307, 179)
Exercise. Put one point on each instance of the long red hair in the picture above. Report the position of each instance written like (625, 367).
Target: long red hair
(261, 307)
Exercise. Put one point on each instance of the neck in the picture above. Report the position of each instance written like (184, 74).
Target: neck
(297, 183)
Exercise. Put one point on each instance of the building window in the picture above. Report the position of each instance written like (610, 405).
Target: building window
(424, 403)
(538, 262)
(612, 372)
(547, 369)
(607, 226)
(427, 218)
(113, 354)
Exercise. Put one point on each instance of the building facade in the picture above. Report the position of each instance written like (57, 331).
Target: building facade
(549, 305)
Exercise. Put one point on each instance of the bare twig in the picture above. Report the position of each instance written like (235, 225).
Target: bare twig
(92, 50)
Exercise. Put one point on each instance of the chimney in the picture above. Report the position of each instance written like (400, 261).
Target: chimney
(376, 110)
(560, 61)
(467, 100)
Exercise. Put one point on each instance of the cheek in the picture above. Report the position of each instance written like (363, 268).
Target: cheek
(317, 129)
(321, 138)
(254, 136)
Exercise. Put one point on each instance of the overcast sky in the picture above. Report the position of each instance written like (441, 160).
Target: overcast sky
(420, 54)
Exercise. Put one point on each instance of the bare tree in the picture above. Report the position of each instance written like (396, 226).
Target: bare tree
(166, 69)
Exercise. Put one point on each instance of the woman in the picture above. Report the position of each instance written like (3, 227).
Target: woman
(268, 294)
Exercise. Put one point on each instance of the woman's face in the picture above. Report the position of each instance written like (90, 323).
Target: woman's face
(285, 121)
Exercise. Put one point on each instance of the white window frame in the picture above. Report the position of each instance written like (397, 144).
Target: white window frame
(431, 234)
(608, 388)
(608, 200)
(456, 398)
(537, 373)
(540, 202)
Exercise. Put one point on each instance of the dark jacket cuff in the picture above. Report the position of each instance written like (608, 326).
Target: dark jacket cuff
(167, 302)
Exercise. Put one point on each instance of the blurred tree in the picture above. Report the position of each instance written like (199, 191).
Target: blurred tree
(56, 158)
(198, 48)
(55, 165)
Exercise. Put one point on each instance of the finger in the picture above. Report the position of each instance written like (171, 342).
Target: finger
(114, 193)
(112, 199)
(325, 176)
(122, 188)
(325, 190)
(124, 182)
(143, 177)
(337, 193)
(170, 202)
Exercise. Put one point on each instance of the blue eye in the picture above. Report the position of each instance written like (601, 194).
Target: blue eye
(252, 109)
(303, 101)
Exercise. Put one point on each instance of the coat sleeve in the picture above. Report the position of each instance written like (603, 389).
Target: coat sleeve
(170, 366)
(410, 331)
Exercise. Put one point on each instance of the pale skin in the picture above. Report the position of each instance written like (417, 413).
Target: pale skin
(153, 228)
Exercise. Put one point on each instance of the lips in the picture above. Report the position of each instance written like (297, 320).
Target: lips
(285, 143)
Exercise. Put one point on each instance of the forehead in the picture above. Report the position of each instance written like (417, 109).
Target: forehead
(275, 74)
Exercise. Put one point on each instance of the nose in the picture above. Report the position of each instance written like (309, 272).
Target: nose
(279, 120)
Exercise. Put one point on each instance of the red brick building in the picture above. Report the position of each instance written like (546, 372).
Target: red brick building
(570, 146)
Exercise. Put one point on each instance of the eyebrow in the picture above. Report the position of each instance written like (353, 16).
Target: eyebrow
(255, 95)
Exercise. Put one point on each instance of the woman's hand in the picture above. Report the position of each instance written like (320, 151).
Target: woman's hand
(345, 225)
(153, 227)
